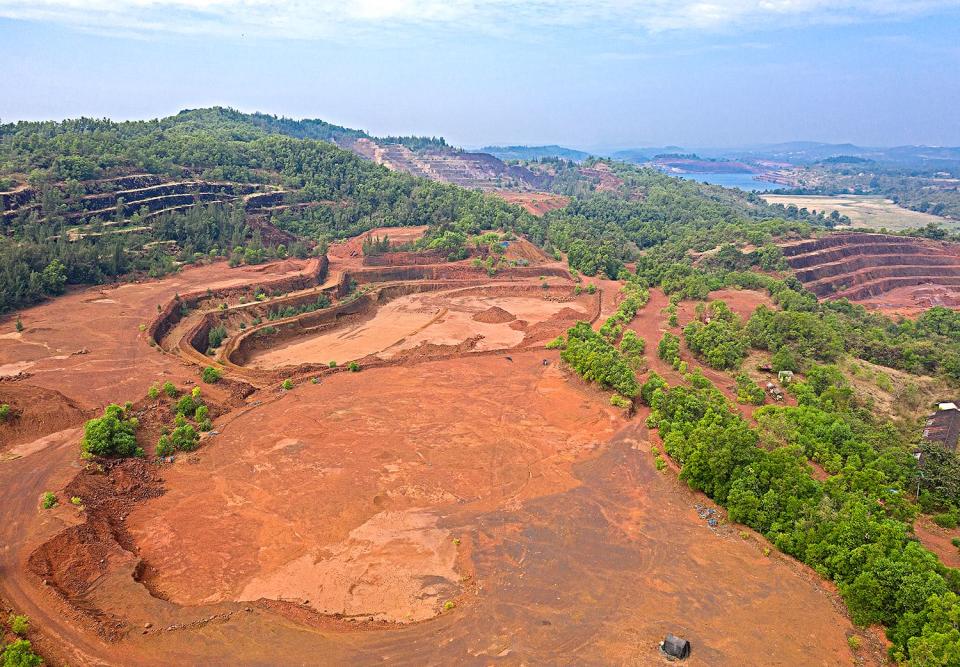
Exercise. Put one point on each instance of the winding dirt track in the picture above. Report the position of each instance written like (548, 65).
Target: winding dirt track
(572, 547)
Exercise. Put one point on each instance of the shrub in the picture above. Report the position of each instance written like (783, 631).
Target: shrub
(354, 367)
(184, 438)
(632, 347)
(720, 343)
(669, 349)
(48, 500)
(76, 500)
(332, 364)
(211, 375)
(19, 324)
(20, 654)
(946, 520)
(659, 462)
(170, 390)
(153, 392)
(195, 393)
(110, 435)
(164, 446)
(748, 391)
(205, 425)
(596, 360)
(853, 642)
(591, 289)
(186, 405)
(216, 336)
(201, 413)
(314, 380)
(19, 624)
(5, 412)
(619, 401)
(287, 384)
(654, 382)
(557, 343)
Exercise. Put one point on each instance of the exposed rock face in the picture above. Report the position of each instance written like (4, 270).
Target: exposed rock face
(448, 165)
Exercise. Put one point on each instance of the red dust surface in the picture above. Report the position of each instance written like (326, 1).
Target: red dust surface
(937, 540)
(88, 345)
(483, 507)
(537, 203)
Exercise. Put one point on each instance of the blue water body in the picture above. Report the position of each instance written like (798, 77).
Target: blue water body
(742, 181)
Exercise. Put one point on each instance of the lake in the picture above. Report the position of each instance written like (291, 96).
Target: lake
(742, 181)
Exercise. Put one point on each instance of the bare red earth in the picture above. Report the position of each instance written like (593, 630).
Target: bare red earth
(537, 203)
(895, 274)
(333, 523)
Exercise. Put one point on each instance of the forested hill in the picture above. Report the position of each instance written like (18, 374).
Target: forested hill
(87, 200)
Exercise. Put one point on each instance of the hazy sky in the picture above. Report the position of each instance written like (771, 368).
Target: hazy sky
(592, 74)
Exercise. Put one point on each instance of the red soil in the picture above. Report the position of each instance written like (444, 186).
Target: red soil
(537, 203)
(891, 273)
(36, 410)
(353, 247)
(937, 540)
(497, 482)
(607, 181)
(88, 346)
(493, 315)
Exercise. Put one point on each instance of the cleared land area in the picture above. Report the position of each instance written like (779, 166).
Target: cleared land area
(865, 211)
(439, 318)
(450, 502)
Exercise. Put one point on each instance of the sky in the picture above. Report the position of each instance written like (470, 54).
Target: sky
(591, 74)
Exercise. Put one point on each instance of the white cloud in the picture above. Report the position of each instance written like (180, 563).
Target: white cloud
(305, 19)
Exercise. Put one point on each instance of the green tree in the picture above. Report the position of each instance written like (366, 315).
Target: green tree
(113, 434)
(20, 654)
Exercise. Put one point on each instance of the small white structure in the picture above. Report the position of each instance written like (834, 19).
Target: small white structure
(948, 406)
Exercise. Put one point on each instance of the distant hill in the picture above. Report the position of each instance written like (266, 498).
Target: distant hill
(807, 152)
(641, 155)
(804, 153)
(308, 128)
(535, 152)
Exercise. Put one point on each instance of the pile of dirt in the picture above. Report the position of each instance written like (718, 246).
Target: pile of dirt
(522, 249)
(551, 328)
(36, 411)
(493, 315)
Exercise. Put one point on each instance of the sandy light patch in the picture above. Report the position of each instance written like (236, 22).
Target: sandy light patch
(437, 318)
(398, 566)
